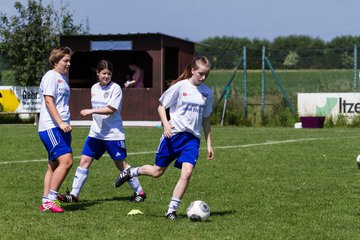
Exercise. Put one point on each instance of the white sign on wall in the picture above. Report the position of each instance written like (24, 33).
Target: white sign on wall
(20, 99)
(325, 104)
(110, 45)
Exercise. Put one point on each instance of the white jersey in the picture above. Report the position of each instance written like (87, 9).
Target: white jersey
(188, 104)
(110, 126)
(56, 85)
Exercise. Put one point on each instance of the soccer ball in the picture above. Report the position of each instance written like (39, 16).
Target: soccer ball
(198, 211)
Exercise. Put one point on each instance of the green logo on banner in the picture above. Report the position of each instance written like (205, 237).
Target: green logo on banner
(326, 110)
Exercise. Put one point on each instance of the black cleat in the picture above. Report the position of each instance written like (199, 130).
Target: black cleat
(122, 178)
(138, 197)
(172, 216)
(67, 197)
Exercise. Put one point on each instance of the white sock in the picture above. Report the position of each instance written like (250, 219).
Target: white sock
(174, 204)
(134, 182)
(80, 178)
(44, 199)
(134, 172)
(52, 195)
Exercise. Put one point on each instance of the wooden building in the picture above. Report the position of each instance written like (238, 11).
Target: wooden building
(162, 58)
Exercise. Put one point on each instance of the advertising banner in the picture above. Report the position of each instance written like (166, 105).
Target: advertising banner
(325, 104)
(20, 99)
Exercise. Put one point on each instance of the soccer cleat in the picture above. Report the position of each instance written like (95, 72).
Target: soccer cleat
(172, 216)
(53, 206)
(358, 161)
(138, 197)
(44, 207)
(67, 197)
(122, 178)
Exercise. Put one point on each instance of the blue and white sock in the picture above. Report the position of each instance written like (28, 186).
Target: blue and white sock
(174, 204)
(52, 195)
(134, 183)
(44, 199)
(80, 178)
(134, 172)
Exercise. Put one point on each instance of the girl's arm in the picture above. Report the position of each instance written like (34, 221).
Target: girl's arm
(165, 122)
(207, 133)
(105, 110)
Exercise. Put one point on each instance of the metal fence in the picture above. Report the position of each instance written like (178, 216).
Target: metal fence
(270, 77)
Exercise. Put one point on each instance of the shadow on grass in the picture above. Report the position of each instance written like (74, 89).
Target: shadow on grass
(223, 213)
(84, 204)
(184, 216)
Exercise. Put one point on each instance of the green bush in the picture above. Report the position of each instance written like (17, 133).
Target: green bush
(15, 118)
(329, 122)
(8, 78)
(355, 121)
(341, 121)
(279, 116)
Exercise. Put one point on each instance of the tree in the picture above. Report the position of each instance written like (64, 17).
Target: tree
(291, 59)
(344, 42)
(305, 47)
(27, 38)
(296, 42)
(226, 49)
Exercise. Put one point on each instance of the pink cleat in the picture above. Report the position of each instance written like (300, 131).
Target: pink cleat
(53, 206)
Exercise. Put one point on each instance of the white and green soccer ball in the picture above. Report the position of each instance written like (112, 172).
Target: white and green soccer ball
(198, 211)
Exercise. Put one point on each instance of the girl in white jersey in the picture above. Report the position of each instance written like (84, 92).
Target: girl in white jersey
(190, 104)
(54, 126)
(106, 133)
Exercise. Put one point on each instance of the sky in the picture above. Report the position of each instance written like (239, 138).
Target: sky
(197, 20)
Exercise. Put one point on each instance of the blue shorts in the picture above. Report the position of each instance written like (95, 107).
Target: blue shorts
(56, 141)
(95, 148)
(184, 147)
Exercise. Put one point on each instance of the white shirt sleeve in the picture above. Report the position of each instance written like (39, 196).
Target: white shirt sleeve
(116, 97)
(49, 85)
(170, 96)
(208, 105)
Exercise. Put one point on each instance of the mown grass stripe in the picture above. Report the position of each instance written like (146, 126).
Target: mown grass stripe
(218, 147)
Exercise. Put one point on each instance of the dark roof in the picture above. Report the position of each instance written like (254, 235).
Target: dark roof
(129, 35)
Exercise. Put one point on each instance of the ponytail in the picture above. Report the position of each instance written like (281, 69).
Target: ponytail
(186, 74)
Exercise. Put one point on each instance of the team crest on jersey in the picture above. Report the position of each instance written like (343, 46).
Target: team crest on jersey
(106, 94)
(60, 81)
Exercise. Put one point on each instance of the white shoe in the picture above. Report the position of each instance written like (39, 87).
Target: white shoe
(358, 161)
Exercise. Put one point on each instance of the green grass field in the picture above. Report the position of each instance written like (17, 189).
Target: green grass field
(293, 81)
(265, 183)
